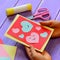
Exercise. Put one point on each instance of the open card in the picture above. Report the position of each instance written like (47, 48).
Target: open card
(28, 32)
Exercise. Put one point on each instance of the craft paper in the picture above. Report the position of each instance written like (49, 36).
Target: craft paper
(3, 52)
(1, 42)
(5, 58)
(28, 32)
(10, 50)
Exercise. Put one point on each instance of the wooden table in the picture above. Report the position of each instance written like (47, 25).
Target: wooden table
(53, 46)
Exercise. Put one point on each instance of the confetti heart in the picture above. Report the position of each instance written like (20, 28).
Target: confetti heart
(15, 30)
(38, 28)
(21, 36)
(26, 26)
(33, 38)
(45, 34)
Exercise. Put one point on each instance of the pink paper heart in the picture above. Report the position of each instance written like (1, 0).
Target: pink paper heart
(33, 38)
(15, 30)
(38, 28)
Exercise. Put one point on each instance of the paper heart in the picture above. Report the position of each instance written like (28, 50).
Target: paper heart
(15, 30)
(45, 34)
(21, 36)
(38, 28)
(26, 26)
(33, 38)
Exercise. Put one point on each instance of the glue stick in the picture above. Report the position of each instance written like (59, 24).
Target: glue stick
(18, 9)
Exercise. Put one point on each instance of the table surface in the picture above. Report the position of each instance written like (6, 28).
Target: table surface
(53, 46)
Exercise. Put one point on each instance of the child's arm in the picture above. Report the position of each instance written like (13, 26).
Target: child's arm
(53, 24)
(34, 55)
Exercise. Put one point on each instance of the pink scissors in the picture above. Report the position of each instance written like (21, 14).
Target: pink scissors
(41, 13)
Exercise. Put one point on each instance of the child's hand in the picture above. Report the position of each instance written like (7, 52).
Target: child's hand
(53, 24)
(34, 55)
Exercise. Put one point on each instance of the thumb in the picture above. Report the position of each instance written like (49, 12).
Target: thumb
(32, 50)
(46, 23)
(34, 53)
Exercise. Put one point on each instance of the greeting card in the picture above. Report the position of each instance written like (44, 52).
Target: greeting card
(28, 32)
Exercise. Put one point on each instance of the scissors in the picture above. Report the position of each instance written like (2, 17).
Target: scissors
(41, 13)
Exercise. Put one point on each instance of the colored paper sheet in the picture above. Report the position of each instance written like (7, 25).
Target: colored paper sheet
(5, 58)
(1, 42)
(3, 52)
(11, 50)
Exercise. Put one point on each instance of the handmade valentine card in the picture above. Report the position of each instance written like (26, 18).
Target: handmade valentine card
(28, 32)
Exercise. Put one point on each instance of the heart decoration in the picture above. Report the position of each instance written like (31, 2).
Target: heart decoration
(38, 28)
(45, 34)
(33, 38)
(21, 36)
(15, 30)
(26, 26)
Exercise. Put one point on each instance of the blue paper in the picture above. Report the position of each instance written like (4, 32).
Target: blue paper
(4, 58)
